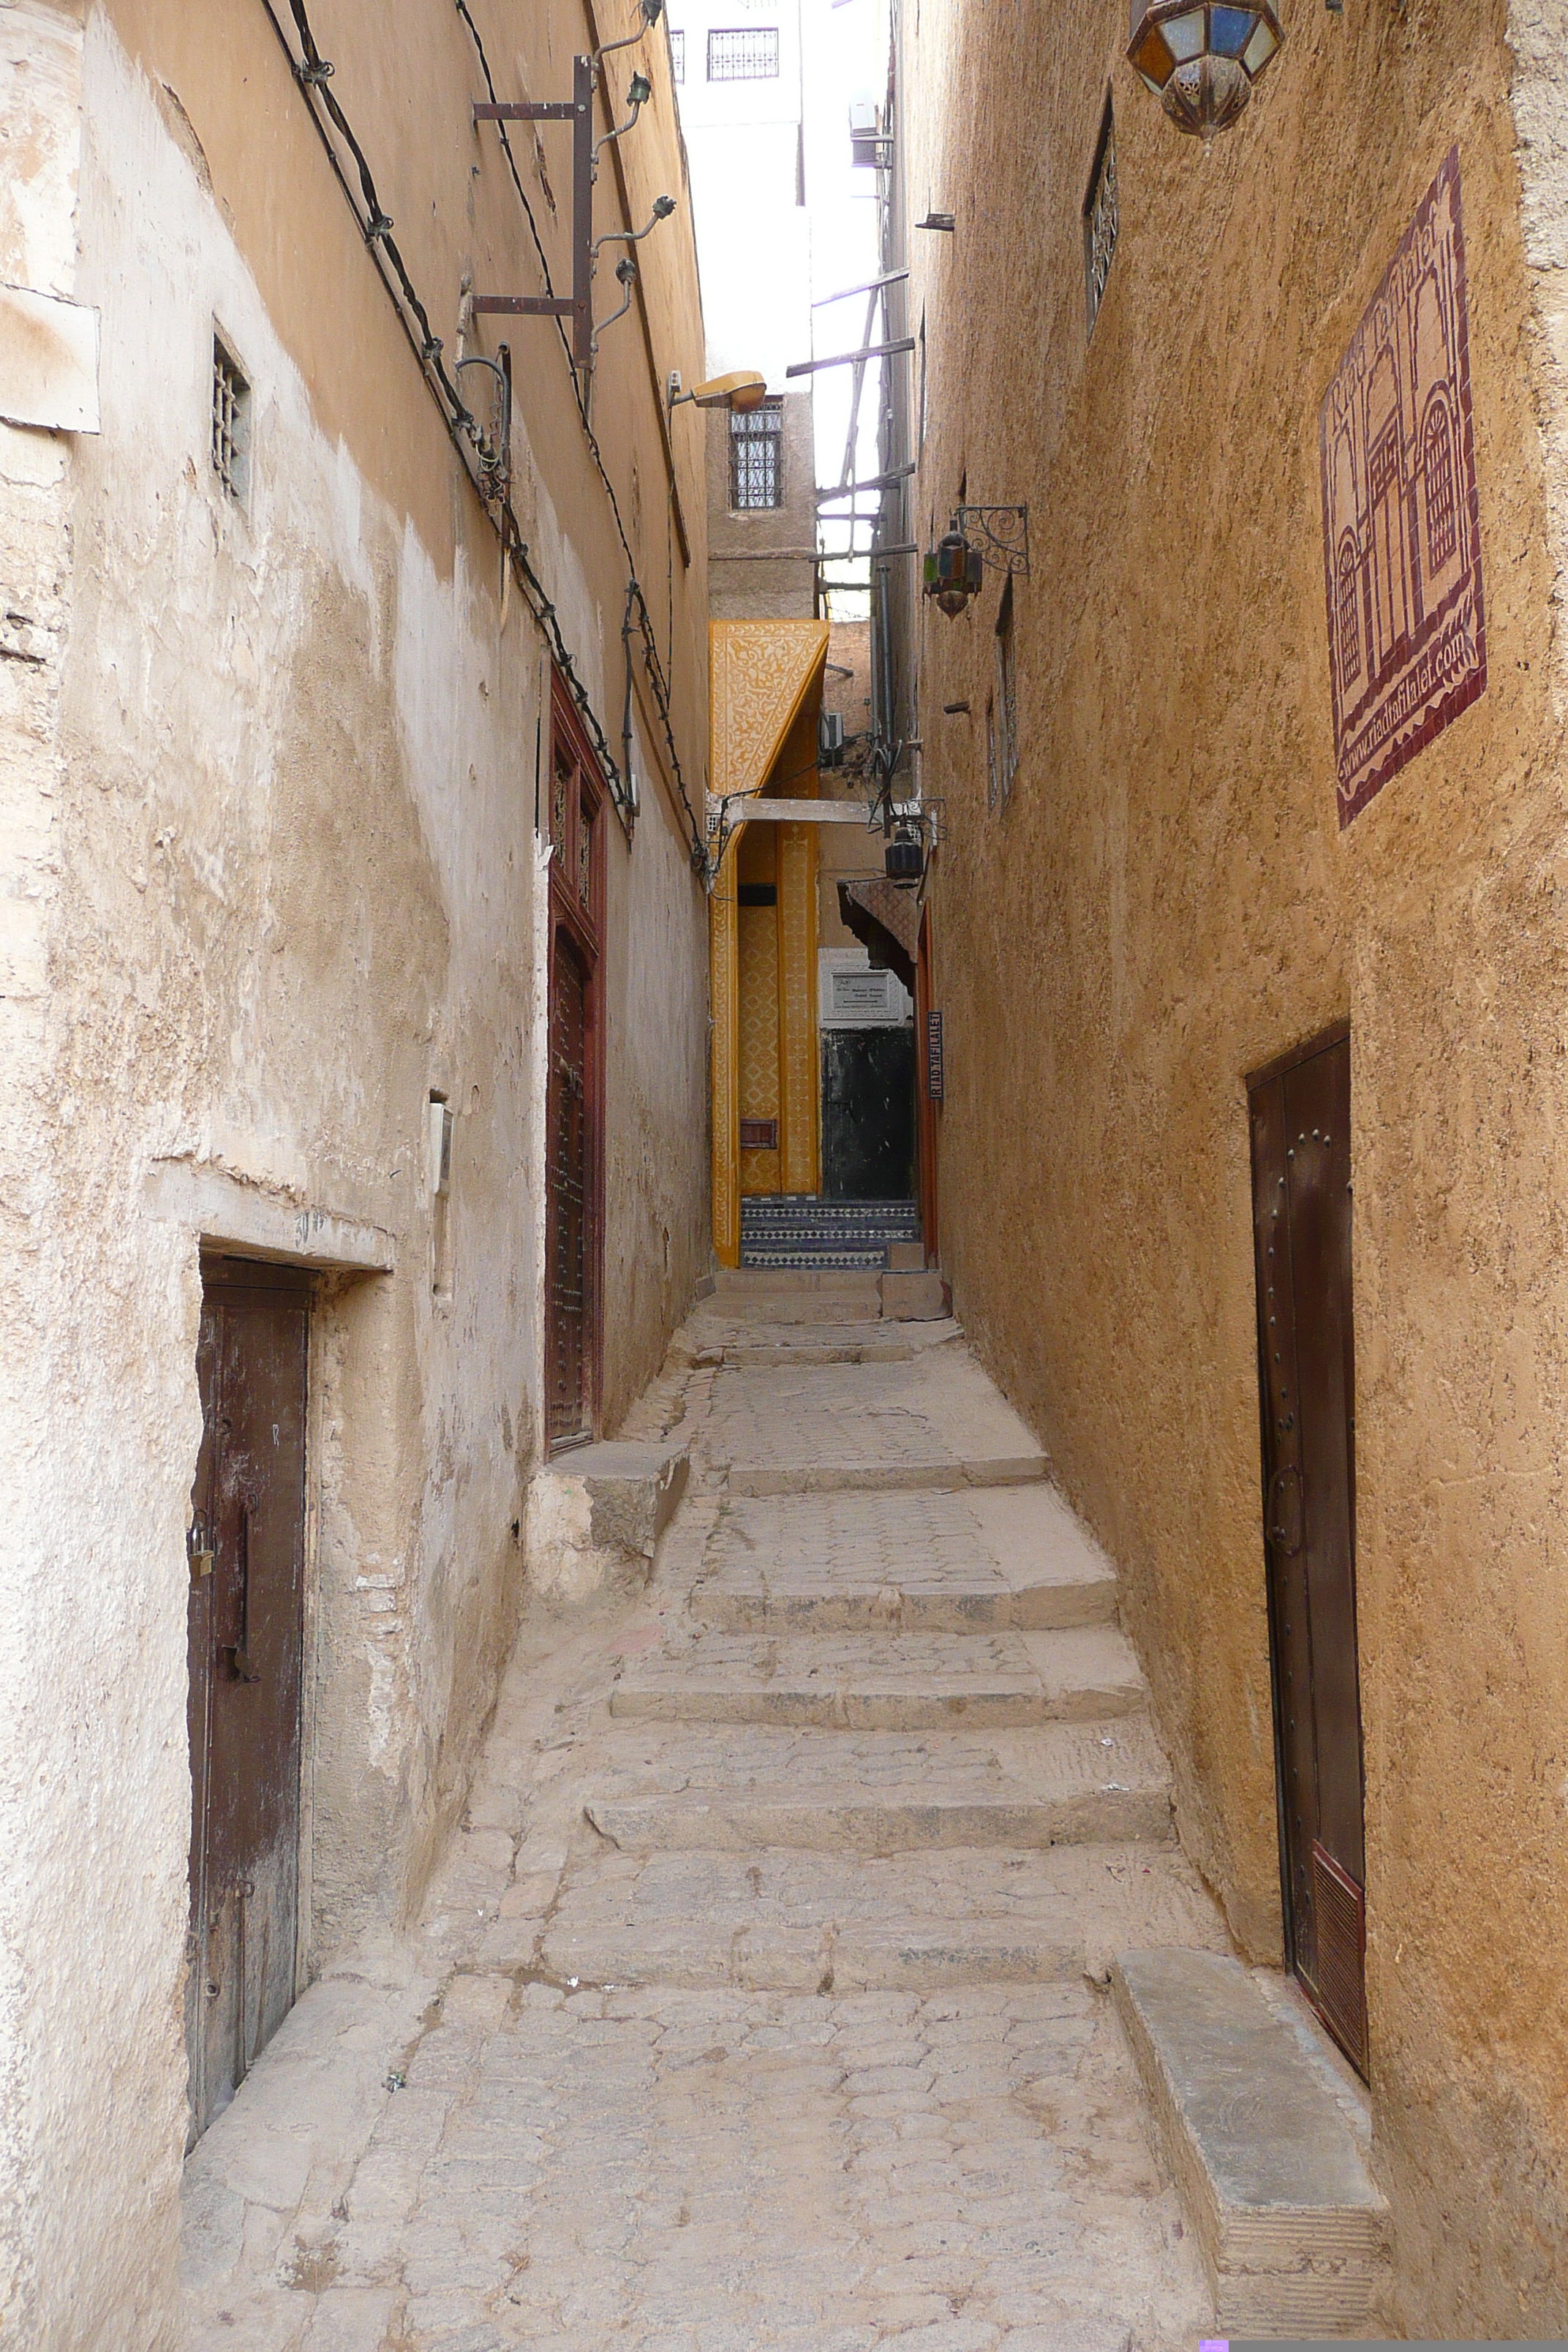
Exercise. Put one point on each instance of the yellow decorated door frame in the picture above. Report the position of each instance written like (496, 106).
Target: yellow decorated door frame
(766, 691)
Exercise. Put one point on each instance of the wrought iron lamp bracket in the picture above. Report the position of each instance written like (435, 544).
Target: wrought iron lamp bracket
(1000, 535)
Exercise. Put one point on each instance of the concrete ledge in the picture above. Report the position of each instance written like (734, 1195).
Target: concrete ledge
(595, 1516)
(254, 1221)
(1292, 2229)
(913, 1297)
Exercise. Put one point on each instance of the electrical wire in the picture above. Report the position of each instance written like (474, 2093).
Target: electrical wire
(314, 72)
(658, 682)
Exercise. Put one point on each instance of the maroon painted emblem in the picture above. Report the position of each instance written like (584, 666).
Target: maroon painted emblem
(1402, 550)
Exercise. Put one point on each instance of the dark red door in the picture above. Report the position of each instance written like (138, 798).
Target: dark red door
(574, 1111)
(1301, 1221)
(245, 1647)
(567, 1269)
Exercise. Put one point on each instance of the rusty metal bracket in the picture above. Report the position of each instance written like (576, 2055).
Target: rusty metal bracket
(577, 306)
(1001, 538)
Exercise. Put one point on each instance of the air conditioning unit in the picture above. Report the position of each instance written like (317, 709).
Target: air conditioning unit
(869, 148)
(830, 740)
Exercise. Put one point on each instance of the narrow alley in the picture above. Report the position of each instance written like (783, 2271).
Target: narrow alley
(762, 1999)
(784, 1305)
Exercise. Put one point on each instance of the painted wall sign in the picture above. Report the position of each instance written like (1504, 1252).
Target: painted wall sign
(933, 1056)
(1401, 552)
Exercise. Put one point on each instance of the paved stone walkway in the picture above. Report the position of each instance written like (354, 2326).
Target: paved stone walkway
(760, 2000)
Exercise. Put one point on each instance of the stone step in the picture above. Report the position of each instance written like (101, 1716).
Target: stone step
(794, 1256)
(1292, 2229)
(880, 1682)
(794, 1921)
(977, 1562)
(883, 1792)
(797, 1294)
(885, 1478)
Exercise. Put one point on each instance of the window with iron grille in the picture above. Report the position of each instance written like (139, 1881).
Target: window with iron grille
(1101, 216)
(678, 54)
(231, 424)
(743, 53)
(1005, 758)
(756, 457)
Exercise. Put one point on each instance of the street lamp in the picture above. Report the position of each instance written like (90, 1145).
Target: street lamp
(739, 392)
(1202, 61)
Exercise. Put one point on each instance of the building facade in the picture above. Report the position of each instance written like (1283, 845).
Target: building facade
(1246, 942)
(355, 723)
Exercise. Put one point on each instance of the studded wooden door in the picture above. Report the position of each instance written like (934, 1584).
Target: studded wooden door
(573, 1119)
(567, 1270)
(245, 1642)
(1301, 1217)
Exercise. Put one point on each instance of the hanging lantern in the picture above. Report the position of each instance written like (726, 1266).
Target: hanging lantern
(904, 857)
(1202, 61)
(954, 572)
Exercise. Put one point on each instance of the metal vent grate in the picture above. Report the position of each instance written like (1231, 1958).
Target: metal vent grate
(231, 425)
(1339, 1909)
(759, 1135)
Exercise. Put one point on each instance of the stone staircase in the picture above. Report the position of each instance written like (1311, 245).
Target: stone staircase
(895, 1736)
(893, 1741)
(799, 1231)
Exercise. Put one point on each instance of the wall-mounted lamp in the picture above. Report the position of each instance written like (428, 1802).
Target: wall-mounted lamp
(955, 566)
(741, 392)
(1201, 62)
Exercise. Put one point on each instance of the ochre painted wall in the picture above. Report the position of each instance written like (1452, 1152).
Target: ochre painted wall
(1168, 901)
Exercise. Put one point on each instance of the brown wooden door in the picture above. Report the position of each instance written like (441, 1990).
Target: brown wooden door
(245, 1637)
(1302, 1218)
(566, 1277)
(574, 1106)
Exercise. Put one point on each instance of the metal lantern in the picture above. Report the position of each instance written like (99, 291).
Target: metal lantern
(954, 572)
(1202, 61)
(904, 858)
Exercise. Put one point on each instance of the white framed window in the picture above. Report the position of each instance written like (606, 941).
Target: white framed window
(678, 54)
(743, 53)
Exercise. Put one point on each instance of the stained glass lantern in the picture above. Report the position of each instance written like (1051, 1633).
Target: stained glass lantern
(953, 573)
(1201, 62)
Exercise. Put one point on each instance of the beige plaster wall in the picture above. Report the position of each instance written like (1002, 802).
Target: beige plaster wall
(271, 880)
(1167, 902)
(761, 560)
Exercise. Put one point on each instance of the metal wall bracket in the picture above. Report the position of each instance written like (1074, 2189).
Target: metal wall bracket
(578, 306)
(1000, 536)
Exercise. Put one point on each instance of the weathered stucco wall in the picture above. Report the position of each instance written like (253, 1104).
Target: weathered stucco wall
(272, 879)
(1167, 902)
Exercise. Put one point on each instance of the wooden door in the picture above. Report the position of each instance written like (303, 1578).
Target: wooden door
(574, 1110)
(1301, 1218)
(928, 1079)
(244, 1646)
(567, 1281)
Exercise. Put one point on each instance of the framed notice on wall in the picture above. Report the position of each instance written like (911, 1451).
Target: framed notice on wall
(933, 1056)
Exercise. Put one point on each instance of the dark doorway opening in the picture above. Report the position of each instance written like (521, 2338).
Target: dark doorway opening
(245, 1642)
(1301, 1225)
(574, 1106)
(869, 1114)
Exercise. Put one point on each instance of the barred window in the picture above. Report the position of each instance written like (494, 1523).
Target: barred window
(1349, 591)
(678, 54)
(231, 424)
(1438, 472)
(743, 53)
(1004, 757)
(756, 457)
(1101, 216)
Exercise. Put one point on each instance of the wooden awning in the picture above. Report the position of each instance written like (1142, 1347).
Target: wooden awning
(887, 921)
